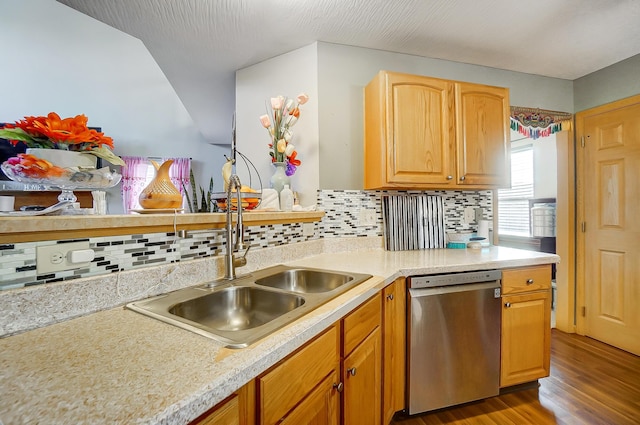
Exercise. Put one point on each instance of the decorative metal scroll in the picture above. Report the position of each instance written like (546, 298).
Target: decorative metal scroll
(535, 123)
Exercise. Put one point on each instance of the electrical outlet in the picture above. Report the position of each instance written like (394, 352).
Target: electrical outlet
(55, 258)
(469, 215)
(368, 217)
(307, 229)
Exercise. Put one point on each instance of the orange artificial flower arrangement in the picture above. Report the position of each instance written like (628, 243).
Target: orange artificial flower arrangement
(53, 132)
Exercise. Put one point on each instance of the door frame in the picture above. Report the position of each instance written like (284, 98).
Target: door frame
(566, 287)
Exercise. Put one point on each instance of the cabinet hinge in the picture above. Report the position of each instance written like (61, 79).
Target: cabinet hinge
(582, 142)
(584, 311)
(583, 227)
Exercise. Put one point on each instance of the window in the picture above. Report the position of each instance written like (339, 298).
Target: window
(513, 204)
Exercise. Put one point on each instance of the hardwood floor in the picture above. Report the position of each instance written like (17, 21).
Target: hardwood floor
(590, 383)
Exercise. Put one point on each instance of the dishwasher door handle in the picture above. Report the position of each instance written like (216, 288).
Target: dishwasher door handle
(427, 292)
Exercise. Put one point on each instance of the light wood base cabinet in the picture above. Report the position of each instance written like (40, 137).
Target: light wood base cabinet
(300, 382)
(334, 379)
(424, 133)
(361, 365)
(320, 407)
(526, 325)
(393, 349)
(238, 409)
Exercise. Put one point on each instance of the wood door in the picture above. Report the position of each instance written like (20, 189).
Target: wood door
(320, 407)
(482, 137)
(394, 349)
(526, 337)
(417, 140)
(610, 238)
(362, 383)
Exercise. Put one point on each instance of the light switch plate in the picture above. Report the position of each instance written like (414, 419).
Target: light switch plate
(53, 258)
(469, 215)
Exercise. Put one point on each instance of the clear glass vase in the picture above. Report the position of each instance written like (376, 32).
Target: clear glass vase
(279, 177)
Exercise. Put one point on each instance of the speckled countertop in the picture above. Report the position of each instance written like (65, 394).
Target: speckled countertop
(117, 366)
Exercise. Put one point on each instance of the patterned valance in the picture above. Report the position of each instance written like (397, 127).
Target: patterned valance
(535, 123)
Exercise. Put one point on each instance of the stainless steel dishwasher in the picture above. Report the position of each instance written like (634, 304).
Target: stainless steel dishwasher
(453, 338)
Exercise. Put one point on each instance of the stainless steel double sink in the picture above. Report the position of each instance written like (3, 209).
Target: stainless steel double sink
(239, 312)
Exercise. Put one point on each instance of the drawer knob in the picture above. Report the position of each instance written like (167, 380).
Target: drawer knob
(449, 177)
(507, 305)
(529, 281)
(338, 387)
(351, 371)
(462, 178)
(390, 297)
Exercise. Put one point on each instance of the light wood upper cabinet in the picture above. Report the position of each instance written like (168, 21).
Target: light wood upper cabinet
(423, 132)
(526, 325)
(482, 136)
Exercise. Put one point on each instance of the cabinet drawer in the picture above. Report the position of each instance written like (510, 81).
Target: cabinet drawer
(361, 322)
(289, 382)
(526, 279)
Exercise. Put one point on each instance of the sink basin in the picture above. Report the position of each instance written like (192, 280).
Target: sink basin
(305, 281)
(240, 312)
(237, 308)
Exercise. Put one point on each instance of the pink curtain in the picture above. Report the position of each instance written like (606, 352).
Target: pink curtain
(180, 176)
(134, 180)
(136, 176)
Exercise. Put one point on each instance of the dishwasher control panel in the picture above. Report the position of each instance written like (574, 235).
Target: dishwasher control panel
(431, 281)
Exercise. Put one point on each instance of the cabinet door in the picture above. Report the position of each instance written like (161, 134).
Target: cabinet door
(235, 410)
(526, 337)
(362, 383)
(291, 380)
(320, 407)
(482, 121)
(394, 349)
(408, 131)
(227, 413)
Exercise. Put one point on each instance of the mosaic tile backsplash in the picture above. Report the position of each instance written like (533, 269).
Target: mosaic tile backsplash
(344, 214)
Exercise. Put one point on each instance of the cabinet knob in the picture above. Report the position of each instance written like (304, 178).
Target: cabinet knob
(351, 371)
(529, 281)
(390, 297)
(338, 387)
(507, 305)
(462, 178)
(449, 177)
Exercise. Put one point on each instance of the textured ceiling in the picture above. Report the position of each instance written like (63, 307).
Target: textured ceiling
(199, 44)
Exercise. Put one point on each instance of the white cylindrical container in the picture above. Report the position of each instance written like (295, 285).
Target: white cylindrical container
(286, 199)
(483, 229)
(6, 203)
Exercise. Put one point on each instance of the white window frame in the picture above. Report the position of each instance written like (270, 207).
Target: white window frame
(513, 203)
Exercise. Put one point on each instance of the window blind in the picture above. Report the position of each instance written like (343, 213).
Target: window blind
(513, 204)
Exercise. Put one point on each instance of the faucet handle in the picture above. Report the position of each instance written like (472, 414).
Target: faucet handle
(241, 261)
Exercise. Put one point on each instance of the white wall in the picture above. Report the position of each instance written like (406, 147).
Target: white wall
(57, 59)
(287, 75)
(343, 71)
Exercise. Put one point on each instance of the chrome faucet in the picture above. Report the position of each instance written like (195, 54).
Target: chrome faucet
(231, 246)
